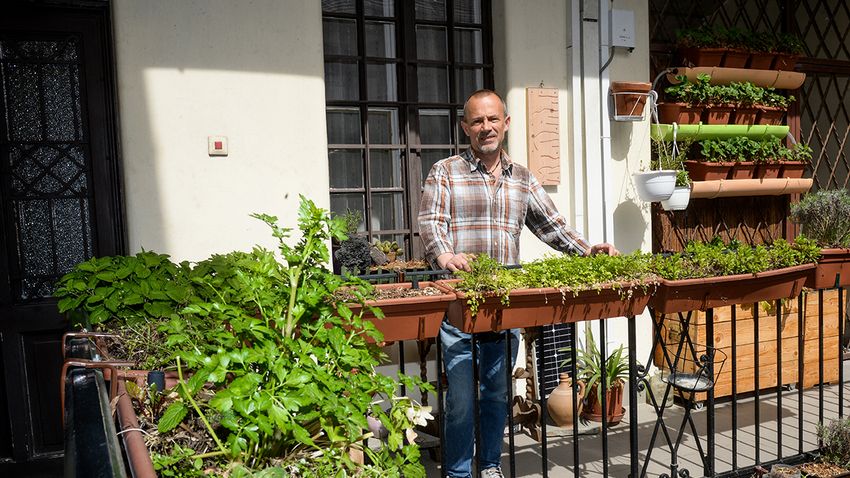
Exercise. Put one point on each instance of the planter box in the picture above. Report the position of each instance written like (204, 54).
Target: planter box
(770, 115)
(702, 56)
(762, 61)
(719, 114)
(744, 170)
(706, 171)
(736, 58)
(409, 318)
(832, 262)
(709, 292)
(746, 116)
(768, 170)
(681, 113)
(793, 169)
(785, 62)
(536, 307)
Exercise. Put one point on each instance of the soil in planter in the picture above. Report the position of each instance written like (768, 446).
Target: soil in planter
(394, 293)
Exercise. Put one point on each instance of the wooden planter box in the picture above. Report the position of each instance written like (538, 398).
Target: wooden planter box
(536, 307)
(833, 262)
(409, 318)
(701, 294)
(745, 350)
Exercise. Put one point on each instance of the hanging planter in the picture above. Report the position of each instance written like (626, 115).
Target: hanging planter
(630, 99)
(678, 201)
(654, 186)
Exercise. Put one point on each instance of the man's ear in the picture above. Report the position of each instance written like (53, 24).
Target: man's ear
(507, 122)
(465, 128)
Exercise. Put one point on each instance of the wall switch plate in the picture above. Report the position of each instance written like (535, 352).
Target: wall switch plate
(217, 145)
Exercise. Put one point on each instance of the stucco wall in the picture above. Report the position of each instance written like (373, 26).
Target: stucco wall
(249, 70)
(533, 45)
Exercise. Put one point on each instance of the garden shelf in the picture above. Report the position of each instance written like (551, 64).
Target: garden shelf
(547, 306)
(749, 187)
(781, 80)
(715, 131)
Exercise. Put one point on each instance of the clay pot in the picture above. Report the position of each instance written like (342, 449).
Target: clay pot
(629, 98)
(560, 401)
(613, 403)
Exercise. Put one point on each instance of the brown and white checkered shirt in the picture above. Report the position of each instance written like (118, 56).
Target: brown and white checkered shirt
(461, 213)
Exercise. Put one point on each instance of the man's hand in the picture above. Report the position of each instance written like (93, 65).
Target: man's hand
(603, 248)
(455, 262)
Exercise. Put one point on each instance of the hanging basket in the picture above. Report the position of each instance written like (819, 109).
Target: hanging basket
(654, 186)
(679, 200)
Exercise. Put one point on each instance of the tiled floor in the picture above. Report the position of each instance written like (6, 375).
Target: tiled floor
(752, 444)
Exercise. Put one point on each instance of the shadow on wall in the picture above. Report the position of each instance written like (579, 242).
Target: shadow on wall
(628, 218)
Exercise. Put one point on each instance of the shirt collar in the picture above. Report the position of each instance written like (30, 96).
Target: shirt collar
(475, 163)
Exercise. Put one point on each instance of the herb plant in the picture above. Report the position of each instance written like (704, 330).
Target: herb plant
(825, 217)
(836, 442)
(589, 366)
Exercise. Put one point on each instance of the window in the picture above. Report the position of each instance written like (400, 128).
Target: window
(396, 76)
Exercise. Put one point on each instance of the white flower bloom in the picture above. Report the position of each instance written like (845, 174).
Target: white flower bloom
(419, 415)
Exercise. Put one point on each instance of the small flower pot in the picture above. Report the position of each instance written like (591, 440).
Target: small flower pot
(735, 58)
(708, 171)
(681, 113)
(744, 170)
(769, 115)
(718, 114)
(678, 201)
(654, 185)
(793, 169)
(746, 116)
(614, 410)
(629, 99)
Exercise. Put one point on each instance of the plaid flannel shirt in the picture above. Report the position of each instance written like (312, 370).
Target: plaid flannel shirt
(461, 213)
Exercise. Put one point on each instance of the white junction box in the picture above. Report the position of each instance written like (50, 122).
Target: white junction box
(622, 28)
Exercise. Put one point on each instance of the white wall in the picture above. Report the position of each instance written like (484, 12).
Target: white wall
(249, 70)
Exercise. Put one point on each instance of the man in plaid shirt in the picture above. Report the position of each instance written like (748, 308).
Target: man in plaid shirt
(478, 202)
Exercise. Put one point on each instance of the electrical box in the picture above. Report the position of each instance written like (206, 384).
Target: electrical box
(623, 28)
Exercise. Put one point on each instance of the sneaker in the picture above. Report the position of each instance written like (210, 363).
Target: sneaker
(494, 472)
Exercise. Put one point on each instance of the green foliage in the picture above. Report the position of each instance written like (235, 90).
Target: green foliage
(836, 442)
(741, 148)
(570, 273)
(801, 153)
(351, 221)
(738, 94)
(789, 43)
(389, 247)
(590, 364)
(715, 258)
(354, 255)
(290, 371)
(756, 42)
(125, 289)
(825, 217)
(665, 156)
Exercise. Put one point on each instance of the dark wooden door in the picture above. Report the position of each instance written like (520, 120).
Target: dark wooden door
(59, 187)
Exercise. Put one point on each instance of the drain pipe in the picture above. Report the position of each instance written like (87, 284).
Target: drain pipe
(576, 16)
(605, 57)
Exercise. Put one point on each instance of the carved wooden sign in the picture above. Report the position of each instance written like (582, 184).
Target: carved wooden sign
(543, 129)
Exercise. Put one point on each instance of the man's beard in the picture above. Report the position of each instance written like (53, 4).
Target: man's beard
(489, 148)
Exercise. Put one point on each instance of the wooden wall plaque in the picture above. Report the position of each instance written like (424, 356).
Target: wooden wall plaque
(543, 130)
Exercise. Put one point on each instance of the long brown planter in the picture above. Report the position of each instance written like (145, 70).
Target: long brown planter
(409, 318)
(710, 292)
(793, 169)
(547, 306)
(833, 264)
(681, 113)
(708, 171)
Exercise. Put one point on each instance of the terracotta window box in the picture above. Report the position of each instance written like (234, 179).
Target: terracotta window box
(702, 56)
(768, 170)
(409, 318)
(710, 292)
(833, 262)
(719, 114)
(769, 115)
(735, 58)
(707, 171)
(744, 170)
(761, 61)
(547, 306)
(793, 169)
(681, 113)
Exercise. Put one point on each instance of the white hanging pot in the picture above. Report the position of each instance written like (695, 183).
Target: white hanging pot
(679, 200)
(655, 185)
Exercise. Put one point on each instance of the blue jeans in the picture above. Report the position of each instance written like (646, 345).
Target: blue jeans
(459, 431)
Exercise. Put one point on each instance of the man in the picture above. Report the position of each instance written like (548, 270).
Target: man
(478, 202)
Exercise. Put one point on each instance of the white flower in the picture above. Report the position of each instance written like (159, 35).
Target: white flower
(419, 415)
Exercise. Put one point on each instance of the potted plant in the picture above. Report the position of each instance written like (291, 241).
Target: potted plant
(762, 47)
(825, 217)
(748, 96)
(773, 107)
(681, 196)
(672, 156)
(630, 97)
(794, 160)
(589, 368)
(353, 256)
(390, 249)
(714, 274)
(768, 155)
(556, 289)
(715, 163)
(688, 100)
(700, 46)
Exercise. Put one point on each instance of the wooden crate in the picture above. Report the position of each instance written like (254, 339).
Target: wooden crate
(745, 325)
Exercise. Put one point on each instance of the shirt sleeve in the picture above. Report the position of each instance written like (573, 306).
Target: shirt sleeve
(435, 214)
(548, 224)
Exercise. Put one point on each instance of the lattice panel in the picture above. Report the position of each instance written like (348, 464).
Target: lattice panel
(825, 125)
(823, 26)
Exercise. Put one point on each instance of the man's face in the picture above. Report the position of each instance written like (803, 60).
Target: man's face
(485, 124)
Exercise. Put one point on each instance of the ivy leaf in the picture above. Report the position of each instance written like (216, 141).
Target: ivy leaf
(172, 417)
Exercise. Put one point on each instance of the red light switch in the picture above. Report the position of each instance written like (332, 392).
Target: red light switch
(218, 145)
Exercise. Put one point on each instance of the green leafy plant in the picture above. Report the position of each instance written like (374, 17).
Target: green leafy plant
(590, 365)
(389, 247)
(800, 153)
(665, 156)
(825, 217)
(836, 442)
(715, 258)
(790, 44)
